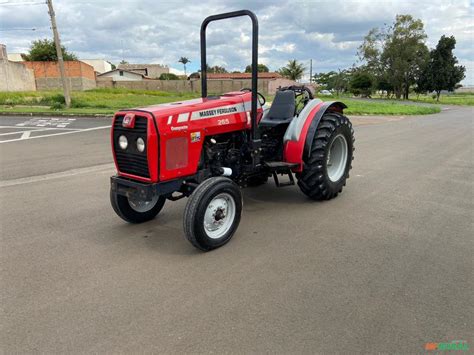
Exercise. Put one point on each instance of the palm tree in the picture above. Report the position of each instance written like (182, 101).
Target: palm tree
(293, 70)
(185, 61)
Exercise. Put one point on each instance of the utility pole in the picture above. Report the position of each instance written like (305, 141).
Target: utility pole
(57, 43)
(310, 71)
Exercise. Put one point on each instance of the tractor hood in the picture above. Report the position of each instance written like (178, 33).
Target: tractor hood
(179, 114)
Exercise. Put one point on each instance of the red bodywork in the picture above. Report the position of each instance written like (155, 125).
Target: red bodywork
(176, 132)
(293, 150)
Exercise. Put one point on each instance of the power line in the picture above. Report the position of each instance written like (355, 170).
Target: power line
(21, 29)
(10, 3)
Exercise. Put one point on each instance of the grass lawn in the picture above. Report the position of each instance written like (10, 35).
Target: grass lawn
(107, 101)
(388, 107)
(447, 99)
(96, 101)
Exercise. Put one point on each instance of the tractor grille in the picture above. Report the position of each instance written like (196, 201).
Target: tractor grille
(131, 161)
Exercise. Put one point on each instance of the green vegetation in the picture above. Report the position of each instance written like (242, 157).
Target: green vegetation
(293, 70)
(466, 99)
(45, 50)
(261, 68)
(168, 76)
(441, 72)
(395, 62)
(184, 61)
(107, 101)
(385, 107)
(101, 101)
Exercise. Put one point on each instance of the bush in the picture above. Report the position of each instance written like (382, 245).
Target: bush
(52, 99)
(361, 84)
(57, 106)
(168, 76)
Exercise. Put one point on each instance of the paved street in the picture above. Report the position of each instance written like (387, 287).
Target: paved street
(385, 267)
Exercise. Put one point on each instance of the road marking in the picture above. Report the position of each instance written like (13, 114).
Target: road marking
(56, 134)
(68, 173)
(26, 135)
(43, 122)
(32, 129)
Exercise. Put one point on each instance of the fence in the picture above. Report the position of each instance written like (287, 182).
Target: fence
(265, 86)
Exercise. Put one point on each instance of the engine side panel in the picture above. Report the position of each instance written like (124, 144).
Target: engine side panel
(176, 132)
(182, 133)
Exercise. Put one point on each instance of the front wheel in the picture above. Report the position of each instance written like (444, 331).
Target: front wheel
(327, 168)
(212, 213)
(135, 210)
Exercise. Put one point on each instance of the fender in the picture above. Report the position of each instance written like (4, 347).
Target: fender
(327, 106)
(299, 136)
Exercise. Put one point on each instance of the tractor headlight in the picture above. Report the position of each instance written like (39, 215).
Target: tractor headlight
(123, 142)
(140, 145)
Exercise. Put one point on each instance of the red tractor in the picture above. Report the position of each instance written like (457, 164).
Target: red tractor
(207, 149)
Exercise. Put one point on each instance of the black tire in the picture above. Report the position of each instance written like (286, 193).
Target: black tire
(314, 180)
(124, 210)
(197, 205)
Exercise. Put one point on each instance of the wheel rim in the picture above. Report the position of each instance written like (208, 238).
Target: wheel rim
(337, 158)
(219, 216)
(142, 206)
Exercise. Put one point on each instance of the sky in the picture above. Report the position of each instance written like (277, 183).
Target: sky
(148, 31)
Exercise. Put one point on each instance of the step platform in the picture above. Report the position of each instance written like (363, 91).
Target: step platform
(282, 168)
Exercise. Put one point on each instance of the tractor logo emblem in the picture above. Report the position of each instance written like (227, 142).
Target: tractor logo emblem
(129, 120)
(195, 137)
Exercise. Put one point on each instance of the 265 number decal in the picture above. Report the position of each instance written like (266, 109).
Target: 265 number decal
(223, 121)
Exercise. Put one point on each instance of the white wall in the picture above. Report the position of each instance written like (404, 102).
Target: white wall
(127, 76)
(100, 65)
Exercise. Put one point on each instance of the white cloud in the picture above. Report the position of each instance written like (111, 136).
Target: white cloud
(328, 32)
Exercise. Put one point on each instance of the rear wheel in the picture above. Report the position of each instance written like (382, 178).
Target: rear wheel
(135, 210)
(327, 168)
(212, 213)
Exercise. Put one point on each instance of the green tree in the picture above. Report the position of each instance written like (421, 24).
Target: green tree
(293, 70)
(184, 61)
(325, 80)
(44, 50)
(336, 81)
(261, 68)
(405, 53)
(216, 69)
(396, 55)
(361, 84)
(123, 61)
(442, 71)
(168, 76)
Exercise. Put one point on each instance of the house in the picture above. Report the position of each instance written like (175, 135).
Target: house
(99, 65)
(152, 71)
(121, 75)
(15, 57)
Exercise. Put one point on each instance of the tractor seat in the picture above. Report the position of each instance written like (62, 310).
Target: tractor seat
(282, 109)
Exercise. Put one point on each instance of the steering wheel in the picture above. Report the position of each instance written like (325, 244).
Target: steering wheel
(261, 98)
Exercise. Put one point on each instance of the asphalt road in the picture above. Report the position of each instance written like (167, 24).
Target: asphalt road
(385, 267)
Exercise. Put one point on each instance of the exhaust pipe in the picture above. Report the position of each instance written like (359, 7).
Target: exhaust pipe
(225, 171)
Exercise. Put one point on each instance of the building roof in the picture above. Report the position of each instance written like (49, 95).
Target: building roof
(128, 71)
(140, 66)
(271, 75)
